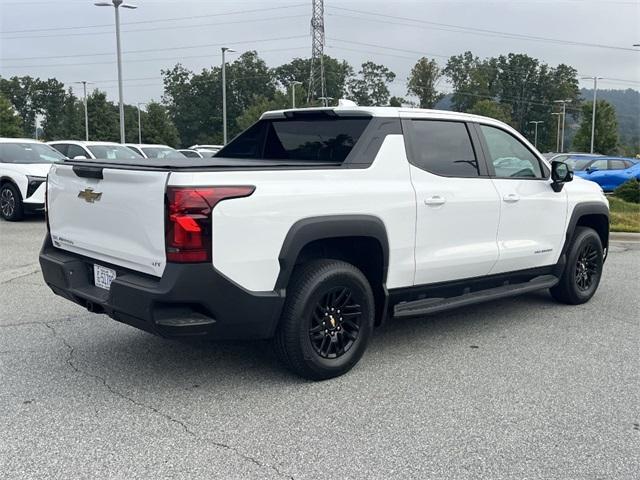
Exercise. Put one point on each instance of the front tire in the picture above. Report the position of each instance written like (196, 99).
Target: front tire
(11, 207)
(583, 270)
(327, 319)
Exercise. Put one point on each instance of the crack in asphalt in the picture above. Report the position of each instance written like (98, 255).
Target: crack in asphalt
(184, 426)
(20, 272)
(20, 324)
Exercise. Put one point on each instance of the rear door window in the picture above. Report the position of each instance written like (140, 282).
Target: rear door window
(76, 151)
(443, 148)
(617, 165)
(321, 138)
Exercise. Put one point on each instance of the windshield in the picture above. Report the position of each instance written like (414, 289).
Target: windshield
(28, 152)
(161, 152)
(113, 152)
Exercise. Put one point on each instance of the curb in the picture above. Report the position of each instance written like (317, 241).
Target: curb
(624, 237)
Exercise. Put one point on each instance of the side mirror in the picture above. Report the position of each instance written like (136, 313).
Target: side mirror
(592, 169)
(560, 174)
(79, 157)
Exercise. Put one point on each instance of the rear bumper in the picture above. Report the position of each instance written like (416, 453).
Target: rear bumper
(189, 299)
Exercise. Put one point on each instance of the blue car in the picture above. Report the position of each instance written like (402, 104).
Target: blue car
(608, 172)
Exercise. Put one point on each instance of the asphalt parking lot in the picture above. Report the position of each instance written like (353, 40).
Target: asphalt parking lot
(521, 388)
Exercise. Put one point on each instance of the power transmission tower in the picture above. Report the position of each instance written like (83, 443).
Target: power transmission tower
(317, 85)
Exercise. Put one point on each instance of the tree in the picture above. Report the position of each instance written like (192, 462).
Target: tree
(20, 91)
(471, 78)
(10, 121)
(370, 87)
(336, 73)
(104, 120)
(157, 127)
(262, 104)
(422, 82)
(490, 108)
(606, 132)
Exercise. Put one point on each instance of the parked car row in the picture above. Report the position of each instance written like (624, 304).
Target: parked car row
(608, 172)
(25, 163)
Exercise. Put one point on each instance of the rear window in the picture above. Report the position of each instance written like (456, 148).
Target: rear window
(314, 139)
(113, 152)
(28, 153)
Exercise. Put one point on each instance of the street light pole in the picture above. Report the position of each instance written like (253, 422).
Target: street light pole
(593, 112)
(86, 111)
(535, 141)
(557, 132)
(116, 4)
(139, 123)
(564, 115)
(293, 92)
(224, 95)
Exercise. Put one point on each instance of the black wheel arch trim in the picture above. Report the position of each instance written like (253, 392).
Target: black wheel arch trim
(312, 229)
(582, 210)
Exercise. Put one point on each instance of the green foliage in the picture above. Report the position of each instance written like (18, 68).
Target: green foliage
(336, 73)
(10, 122)
(629, 191)
(524, 87)
(396, 101)
(370, 87)
(422, 82)
(624, 216)
(606, 132)
(157, 127)
(627, 106)
(262, 104)
(489, 108)
(104, 119)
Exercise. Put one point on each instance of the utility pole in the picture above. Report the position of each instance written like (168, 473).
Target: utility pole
(224, 95)
(564, 115)
(593, 112)
(557, 132)
(535, 141)
(116, 4)
(293, 92)
(317, 82)
(86, 110)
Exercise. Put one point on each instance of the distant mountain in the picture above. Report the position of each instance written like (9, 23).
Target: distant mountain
(627, 105)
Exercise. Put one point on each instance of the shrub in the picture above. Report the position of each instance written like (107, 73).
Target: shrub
(629, 191)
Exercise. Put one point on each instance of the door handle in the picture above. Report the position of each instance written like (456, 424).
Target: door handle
(511, 198)
(435, 201)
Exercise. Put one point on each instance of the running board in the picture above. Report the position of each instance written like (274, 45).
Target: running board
(425, 306)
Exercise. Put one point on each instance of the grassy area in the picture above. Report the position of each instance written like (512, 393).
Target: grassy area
(624, 216)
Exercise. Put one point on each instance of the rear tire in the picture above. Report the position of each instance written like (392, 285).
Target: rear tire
(11, 208)
(327, 319)
(583, 270)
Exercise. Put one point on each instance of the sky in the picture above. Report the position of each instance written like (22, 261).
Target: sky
(73, 40)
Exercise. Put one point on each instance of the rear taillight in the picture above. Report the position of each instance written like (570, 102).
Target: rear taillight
(188, 222)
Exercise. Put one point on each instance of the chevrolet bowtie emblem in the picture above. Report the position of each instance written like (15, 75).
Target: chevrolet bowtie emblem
(89, 195)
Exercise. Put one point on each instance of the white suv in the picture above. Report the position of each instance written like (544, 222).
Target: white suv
(24, 165)
(78, 150)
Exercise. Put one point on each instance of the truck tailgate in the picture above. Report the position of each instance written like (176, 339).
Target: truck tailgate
(117, 219)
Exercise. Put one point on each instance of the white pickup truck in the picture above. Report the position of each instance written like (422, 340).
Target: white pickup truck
(315, 225)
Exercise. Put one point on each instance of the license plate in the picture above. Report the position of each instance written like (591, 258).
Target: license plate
(103, 276)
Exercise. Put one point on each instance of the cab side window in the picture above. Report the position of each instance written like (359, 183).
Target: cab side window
(617, 165)
(63, 148)
(509, 156)
(443, 148)
(599, 165)
(76, 151)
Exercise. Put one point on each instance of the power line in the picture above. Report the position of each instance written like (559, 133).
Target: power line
(473, 30)
(182, 57)
(172, 27)
(149, 50)
(173, 19)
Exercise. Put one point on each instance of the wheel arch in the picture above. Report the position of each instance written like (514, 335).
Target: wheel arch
(590, 214)
(358, 239)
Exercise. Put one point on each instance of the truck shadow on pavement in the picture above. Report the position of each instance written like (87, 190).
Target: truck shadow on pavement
(136, 359)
